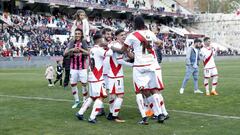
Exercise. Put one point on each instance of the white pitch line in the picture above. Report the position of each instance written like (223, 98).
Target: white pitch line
(129, 106)
(37, 98)
(207, 114)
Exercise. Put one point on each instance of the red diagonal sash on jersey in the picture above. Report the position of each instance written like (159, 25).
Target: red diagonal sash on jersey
(208, 58)
(98, 73)
(115, 69)
(145, 43)
(140, 38)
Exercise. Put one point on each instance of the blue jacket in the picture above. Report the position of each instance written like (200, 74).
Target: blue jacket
(191, 56)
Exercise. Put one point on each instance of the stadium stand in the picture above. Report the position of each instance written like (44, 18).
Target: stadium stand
(225, 31)
(28, 33)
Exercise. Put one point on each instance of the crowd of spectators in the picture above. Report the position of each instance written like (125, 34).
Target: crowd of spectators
(32, 34)
(32, 37)
(136, 4)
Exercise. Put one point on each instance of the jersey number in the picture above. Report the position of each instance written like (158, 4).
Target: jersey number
(207, 71)
(118, 82)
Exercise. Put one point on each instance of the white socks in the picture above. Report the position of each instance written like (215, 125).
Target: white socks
(84, 92)
(140, 102)
(96, 108)
(214, 82)
(117, 105)
(206, 85)
(75, 93)
(155, 101)
(162, 105)
(111, 102)
(85, 106)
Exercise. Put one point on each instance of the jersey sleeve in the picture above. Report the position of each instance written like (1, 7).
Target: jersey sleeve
(108, 53)
(153, 36)
(70, 45)
(104, 53)
(129, 40)
(202, 53)
(123, 62)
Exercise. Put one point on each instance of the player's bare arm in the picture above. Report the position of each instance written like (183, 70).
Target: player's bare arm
(83, 51)
(125, 49)
(118, 50)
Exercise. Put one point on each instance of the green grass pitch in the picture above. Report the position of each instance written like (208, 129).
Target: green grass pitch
(191, 114)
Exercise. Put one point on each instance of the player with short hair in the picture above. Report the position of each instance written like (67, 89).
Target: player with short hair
(115, 77)
(107, 35)
(210, 69)
(97, 92)
(192, 66)
(144, 75)
(78, 66)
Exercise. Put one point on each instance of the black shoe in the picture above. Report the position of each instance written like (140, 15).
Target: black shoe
(154, 117)
(94, 121)
(166, 117)
(110, 117)
(161, 118)
(101, 113)
(80, 117)
(143, 121)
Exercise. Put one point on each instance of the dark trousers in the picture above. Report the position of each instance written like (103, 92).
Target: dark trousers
(66, 77)
(49, 81)
(59, 78)
(159, 55)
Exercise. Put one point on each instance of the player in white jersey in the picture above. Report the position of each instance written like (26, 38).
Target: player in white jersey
(115, 77)
(144, 75)
(107, 35)
(158, 72)
(210, 69)
(97, 92)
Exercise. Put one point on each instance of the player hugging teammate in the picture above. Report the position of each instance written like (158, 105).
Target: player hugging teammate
(147, 77)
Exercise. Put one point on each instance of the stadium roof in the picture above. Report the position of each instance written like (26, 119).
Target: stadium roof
(110, 8)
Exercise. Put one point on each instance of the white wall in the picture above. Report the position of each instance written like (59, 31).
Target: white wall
(221, 28)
